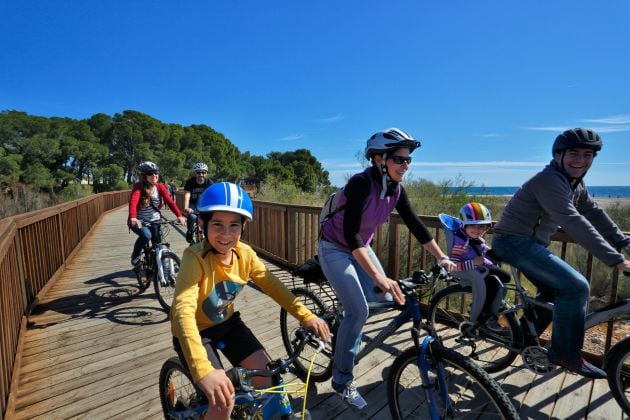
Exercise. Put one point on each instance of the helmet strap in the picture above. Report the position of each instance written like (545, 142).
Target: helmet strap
(384, 177)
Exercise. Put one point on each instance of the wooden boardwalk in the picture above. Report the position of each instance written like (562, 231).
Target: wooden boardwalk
(94, 348)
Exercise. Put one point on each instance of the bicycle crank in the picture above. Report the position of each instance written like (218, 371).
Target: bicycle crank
(535, 358)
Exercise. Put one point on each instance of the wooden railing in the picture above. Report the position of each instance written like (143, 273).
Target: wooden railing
(34, 248)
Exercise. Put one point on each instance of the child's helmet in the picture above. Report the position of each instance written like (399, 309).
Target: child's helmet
(225, 196)
(200, 166)
(475, 214)
(577, 138)
(387, 140)
(147, 166)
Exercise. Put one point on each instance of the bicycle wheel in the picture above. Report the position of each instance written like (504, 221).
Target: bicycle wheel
(617, 367)
(450, 309)
(165, 291)
(465, 391)
(143, 274)
(322, 366)
(179, 396)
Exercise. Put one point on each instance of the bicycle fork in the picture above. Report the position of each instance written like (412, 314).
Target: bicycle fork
(427, 385)
(160, 267)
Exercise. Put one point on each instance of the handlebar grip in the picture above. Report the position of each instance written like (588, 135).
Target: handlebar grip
(626, 273)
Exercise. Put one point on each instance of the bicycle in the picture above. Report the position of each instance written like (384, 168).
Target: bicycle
(450, 385)
(617, 366)
(450, 312)
(164, 274)
(181, 399)
(198, 234)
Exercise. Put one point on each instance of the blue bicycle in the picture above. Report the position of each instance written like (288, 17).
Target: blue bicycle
(426, 380)
(181, 399)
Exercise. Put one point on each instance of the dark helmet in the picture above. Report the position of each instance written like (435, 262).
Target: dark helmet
(577, 138)
(147, 166)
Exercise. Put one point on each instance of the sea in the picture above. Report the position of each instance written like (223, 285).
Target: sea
(595, 191)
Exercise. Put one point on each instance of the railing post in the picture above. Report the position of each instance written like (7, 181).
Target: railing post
(393, 249)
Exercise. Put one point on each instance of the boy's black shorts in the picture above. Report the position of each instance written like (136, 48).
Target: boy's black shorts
(235, 340)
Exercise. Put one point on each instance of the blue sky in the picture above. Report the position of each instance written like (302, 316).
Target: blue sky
(485, 85)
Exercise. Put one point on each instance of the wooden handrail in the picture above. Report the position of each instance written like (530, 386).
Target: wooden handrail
(34, 248)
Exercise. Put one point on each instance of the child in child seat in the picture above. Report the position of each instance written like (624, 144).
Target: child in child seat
(469, 251)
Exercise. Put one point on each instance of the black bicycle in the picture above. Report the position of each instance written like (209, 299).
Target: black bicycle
(450, 313)
(159, 265)
(617, 366)
(198, 234)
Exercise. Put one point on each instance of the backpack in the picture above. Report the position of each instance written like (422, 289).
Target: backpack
(330, 207)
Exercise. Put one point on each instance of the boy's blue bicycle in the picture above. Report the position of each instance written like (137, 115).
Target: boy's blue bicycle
(426, 380)
(181, 399)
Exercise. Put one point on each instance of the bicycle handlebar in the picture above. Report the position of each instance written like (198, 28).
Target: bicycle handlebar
(420, 278)
(241, 377)
(160, 222)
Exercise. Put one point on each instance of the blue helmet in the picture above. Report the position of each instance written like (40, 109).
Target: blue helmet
(225, 196)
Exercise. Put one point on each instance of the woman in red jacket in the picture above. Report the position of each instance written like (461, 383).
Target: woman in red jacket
(146, 200)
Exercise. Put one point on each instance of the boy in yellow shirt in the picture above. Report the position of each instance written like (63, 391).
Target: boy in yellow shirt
(212, 274)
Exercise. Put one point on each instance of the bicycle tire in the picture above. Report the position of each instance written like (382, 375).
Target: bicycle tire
(487, 348)
(322, 366)
(165, 292)
(617, 367)
(179, 396)
(471, 391)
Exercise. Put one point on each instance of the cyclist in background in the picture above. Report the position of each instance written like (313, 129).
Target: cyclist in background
(193, 189)
(212, 274)
(145, 203)
(348, 262)
(469, 251)
(557, 196)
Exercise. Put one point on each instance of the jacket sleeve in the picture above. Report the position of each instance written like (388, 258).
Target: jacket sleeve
(168, 200)
(183, 320)
(133, 203)
(601, 221)
(554, 196)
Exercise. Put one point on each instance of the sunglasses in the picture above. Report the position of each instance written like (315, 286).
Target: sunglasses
(399, 160)
(152, 173)
(201, 173)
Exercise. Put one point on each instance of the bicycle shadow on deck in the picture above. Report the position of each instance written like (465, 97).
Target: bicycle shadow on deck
(109, 300)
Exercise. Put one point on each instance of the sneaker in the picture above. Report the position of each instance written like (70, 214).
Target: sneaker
(492, 324)
(580, 366)
(137, 263)
(349, 394)
(189, 237)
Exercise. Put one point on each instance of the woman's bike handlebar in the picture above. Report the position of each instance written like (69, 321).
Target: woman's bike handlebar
(421, 278)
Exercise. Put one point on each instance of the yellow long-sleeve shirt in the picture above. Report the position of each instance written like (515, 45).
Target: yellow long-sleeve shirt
(205, 293)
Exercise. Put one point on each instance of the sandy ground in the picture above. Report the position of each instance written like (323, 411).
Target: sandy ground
(606, 202)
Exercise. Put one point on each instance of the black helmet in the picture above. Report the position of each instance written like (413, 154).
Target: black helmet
(577, 138)
(147, 166)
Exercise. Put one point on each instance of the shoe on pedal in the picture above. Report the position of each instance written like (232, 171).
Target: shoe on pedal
(492, 324)
(578, 365)
(136, 263)
(349, 394)
(189, 237)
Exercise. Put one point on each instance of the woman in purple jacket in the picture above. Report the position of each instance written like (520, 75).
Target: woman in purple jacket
(347, 260)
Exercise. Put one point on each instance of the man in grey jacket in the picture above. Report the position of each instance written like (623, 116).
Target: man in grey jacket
(554, 197)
